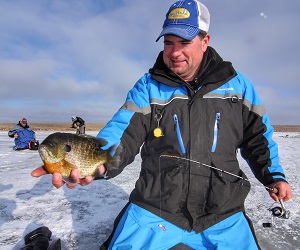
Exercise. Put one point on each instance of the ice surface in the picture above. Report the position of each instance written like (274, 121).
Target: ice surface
(83, 217)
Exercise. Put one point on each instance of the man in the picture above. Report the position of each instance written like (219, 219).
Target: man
(190, 114)
(23, 134)
(79, 124)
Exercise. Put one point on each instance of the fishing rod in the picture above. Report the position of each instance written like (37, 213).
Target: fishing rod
(272, 189)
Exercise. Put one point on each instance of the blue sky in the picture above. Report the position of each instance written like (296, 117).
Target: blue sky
(60, 58)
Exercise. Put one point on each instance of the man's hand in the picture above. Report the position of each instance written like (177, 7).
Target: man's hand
(58, 181)
(16, 135)
(284, 191)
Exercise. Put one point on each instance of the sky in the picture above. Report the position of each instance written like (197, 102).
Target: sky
(83, 217)
(60, 58)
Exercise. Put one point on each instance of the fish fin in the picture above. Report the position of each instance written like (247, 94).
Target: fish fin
(102, 142)
(115, 155)
(67, 179)
(68, 168)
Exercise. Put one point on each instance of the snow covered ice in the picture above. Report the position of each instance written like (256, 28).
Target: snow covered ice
(83, 217)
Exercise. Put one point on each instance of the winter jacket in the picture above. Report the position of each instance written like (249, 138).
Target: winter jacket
(190, 175)
(26, 134)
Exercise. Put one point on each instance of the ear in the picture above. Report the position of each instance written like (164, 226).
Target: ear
(205, 42)
(67, 148)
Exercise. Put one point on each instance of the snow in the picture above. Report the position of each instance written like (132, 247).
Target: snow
(83, 217)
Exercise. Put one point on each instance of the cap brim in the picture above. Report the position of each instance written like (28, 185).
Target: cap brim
(183, 31)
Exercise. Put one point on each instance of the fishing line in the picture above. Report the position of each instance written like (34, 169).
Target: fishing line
(279, 212)
(193, 161)
(203, 164)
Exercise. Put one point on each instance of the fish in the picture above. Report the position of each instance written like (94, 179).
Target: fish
(63, 152)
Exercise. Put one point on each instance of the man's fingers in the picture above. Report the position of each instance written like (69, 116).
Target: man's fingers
(73, 179)
(39, 172)
(85, 181)
(74, 176)
(57, 180)
(274, 196)
(284, 191)
(288, 195)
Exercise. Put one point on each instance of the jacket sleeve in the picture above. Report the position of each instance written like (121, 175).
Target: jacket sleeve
(13, 131)
(73, 125)
(32, 134)
(257, 147)
(128, 128)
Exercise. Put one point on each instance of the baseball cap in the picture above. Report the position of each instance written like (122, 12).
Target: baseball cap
(186, 19)
(73, 118)
(24, 120)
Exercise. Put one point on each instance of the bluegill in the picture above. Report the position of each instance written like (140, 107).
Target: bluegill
(63, 152)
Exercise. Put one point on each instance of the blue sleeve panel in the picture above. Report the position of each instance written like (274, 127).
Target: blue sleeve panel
(258, 148)
(115, 128)
(273, 148)
(127, 129)
(137, 101)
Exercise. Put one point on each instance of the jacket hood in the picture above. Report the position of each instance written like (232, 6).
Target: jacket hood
(213, 70)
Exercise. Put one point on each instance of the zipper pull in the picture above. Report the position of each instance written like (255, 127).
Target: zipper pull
(218, 116)
(216, 129)
(178, 132)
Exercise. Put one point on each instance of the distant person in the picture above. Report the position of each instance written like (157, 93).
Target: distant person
(23, 135)
(79, 124)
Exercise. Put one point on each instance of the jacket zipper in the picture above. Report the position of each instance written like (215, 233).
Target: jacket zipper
(178, 132)
(216, 129)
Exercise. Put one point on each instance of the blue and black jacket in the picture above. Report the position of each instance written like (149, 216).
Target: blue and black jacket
(26, 134)
(203, 124)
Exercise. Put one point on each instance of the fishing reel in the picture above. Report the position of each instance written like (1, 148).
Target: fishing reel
(280, 212)
(277, 211)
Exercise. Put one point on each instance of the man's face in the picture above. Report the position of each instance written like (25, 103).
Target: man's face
(184, 57)
(23, 124)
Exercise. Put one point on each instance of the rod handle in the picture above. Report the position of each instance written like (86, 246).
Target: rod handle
(273, 190)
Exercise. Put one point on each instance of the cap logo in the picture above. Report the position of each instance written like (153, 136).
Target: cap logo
(179, 13)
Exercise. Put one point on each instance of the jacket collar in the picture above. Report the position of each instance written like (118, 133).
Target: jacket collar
(213, 70)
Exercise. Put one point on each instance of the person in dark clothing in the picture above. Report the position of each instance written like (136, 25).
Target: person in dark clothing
(187, 117)
(22, 134)
(79, 124)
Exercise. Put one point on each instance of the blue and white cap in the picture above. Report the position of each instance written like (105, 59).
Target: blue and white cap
(186, 19)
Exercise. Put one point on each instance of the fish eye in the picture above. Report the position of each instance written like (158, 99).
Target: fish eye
(67, 148)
